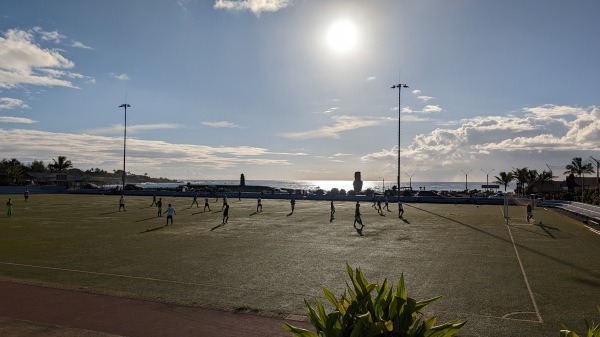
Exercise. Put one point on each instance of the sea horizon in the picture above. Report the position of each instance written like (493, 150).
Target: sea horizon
(327, 185)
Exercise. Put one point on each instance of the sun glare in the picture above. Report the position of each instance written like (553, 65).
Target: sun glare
(342, 36)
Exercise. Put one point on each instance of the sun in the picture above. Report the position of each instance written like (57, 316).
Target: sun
(342, 36)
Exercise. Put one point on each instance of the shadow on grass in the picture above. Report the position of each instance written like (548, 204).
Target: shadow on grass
(152, 229)
(109, 213)
(197, 213)
(145, 219)
(406, 221)
(253, 213)
(289, 214)
(217, 226)
(546, 229)
(521, 246)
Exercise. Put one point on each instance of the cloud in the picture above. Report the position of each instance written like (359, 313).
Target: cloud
(7, 103)
(120, 77)
(371, 78)
(550, 110)
(54, 36)
(77, 44)
(503, 142)
(330, 110)
(342, 154)
(340, 124)
(429, 109)
(222, 124)
(425, 98)
(119, 128)
(416, 91)
(157, 158)
(22, 61)
(7, 119)
(255, 6)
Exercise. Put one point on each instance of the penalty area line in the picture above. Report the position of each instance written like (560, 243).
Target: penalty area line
(535, 307)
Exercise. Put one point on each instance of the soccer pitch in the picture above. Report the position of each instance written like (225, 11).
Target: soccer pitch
(524, 279)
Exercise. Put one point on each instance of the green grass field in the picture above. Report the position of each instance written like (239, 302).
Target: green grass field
(517, 280)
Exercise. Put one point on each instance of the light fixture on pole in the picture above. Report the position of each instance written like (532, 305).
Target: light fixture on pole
(399, 86)
(487, 175)
(125, 106)
(466, 176)
(410, 179)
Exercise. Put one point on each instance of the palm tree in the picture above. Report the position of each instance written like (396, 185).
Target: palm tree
(546, 177)
(504, 178)
(15, 170)
(578, 168)
(60, 165)
(521, 176)
(532, 178)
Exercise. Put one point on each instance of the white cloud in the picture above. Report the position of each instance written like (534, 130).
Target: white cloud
(22, 62)
(429, 109)
(371, 78)
(119, 128)
(340, 124)
(503, 142)
(7, 119)
(330, 110)
(120, 77)
(342, 154)
(77, 44)
(416, 91)
(157, 158)
(255, 6)
(425, 98)
(222, 124)
(54, 36)
(7, 103)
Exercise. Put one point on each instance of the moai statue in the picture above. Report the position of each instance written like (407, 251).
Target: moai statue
(357, 182)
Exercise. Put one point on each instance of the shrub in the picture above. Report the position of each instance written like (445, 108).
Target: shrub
(357, 313)
(342, 192)
(334, 191)
(593, 330)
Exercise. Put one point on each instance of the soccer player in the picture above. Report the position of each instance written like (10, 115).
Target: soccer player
(9, 207)
(358, 220)
(26, 194)
(224, 202)
(225, 214)
(170, 213)
(206, 203)
(159, 206)
(195, 201)
(529, 212)
(122, 203)
(259, 205)
(153, 200)
(293, 204)
(400, 209)
(332, 211)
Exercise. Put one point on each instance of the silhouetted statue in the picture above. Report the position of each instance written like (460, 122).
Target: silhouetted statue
(357, 182)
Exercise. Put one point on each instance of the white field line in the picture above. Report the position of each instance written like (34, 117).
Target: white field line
(535, 307)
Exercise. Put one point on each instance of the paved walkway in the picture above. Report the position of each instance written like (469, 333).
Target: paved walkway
(29, 310)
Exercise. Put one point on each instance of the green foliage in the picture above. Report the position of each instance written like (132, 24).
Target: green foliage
(372, 310)
(593, 330)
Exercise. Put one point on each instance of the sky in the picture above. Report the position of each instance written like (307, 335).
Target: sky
(301, 89)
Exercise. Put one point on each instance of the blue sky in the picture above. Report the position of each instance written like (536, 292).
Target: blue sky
(270, 89)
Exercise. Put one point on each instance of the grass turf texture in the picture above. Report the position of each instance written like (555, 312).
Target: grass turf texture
(273, 260)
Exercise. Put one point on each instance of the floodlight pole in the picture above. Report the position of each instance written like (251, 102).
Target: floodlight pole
(466, 175)
(597, 174)
(410, 179)
(399, 86)
(125, 106)
(487, 175)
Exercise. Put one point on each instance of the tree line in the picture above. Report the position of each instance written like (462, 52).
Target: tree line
(527, 179)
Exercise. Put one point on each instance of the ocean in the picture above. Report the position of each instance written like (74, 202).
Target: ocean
(327, 185)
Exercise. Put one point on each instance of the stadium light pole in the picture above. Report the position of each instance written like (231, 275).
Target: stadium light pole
(399, 86)
(125, 106)
(410, 179)
(487, 175)
(466, 175)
